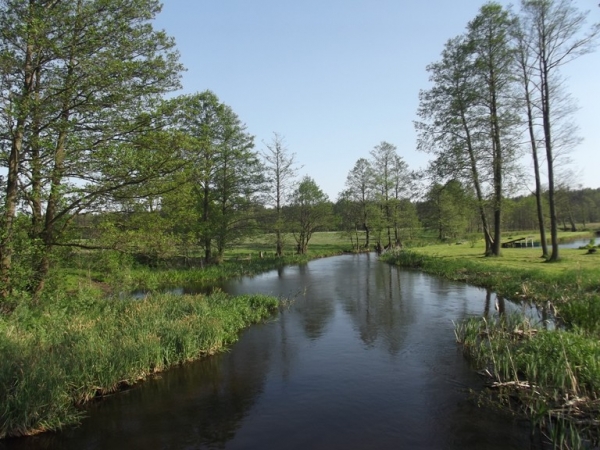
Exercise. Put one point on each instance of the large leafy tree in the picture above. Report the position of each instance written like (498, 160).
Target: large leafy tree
(469, 116)
(222, 175)
(78, 80)
(450, 128)
(489, 36)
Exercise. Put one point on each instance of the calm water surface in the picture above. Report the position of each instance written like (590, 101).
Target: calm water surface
(364, 358)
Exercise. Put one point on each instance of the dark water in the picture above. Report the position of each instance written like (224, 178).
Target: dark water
(364, 358)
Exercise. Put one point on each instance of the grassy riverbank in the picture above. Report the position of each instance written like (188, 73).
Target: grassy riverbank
(71, 350)
(85, 338)
(554, 373)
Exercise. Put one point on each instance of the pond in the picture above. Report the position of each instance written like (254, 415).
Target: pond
(576, 243)
(363, 357)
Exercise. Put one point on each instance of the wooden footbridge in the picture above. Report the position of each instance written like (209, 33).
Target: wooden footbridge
(521, 243)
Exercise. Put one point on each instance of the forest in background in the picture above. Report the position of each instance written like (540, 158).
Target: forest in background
(100, 158)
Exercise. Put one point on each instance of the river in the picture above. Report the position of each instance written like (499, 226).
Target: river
(363, 357)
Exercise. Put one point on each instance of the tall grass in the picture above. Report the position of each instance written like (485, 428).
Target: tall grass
(141, 277)
(554, 375)
(61, 355)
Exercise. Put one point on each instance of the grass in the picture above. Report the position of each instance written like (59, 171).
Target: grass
(324, 243)
(79, 345)
(61, 355)
(86, 342)
(111, 272)
(553, 374)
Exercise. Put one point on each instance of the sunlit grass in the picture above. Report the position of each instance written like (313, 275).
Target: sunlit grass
(554, 375)
(64, 353)
(321, 243)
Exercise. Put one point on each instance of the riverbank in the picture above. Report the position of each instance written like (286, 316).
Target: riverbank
(60, 355)
(111, 274)
(554, 373)
(88, 339)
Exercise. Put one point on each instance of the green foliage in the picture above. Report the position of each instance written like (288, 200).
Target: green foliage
(309, 211)
(448, 209)
(56, 357)
(85, 126)
(217, 194)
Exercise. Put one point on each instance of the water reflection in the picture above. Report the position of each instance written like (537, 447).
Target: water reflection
(364, 358)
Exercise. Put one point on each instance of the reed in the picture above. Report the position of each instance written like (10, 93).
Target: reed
(554, 375)
(67, 352)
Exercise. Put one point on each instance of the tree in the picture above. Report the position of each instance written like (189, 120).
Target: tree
(448, 209)
(310, 210)
(554, 37)
(222, 175)
(490, 40)
(78, 80)
(450, 128)
(389, 180)
(281, 172)
(469, 114)
(359, 191)
(525, 64)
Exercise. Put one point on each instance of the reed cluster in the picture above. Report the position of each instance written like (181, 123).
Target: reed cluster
(553, 376)
(59, 355)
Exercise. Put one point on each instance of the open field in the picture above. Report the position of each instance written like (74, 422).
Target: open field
(321, 243)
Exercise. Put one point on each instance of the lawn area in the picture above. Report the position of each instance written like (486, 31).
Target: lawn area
(517, 258)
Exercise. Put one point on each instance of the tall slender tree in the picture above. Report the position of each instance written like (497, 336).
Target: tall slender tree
(526, 63)
(469, 113)
(281, 170)
(490, 40)
(386, 166)
(451, 129)
(359, 190)
(556, 36)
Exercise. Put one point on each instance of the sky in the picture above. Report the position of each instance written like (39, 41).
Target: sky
(337, 77)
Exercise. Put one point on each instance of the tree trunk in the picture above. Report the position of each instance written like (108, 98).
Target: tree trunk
(12, 185)
(475, 176)
(498, 166)
(536, 168)
(545, 91)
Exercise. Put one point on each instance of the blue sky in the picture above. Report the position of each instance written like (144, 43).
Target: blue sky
(337, 77)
